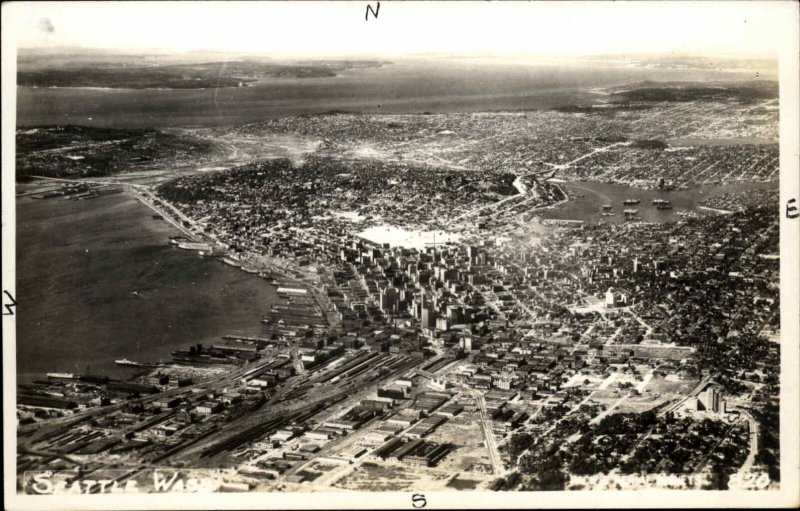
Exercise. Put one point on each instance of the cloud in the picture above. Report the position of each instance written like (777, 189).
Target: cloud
(45, 25)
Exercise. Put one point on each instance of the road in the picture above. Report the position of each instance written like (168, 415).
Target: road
(522, 191)
(178, 219)
(700, 466)
(40, 429)
(146, 198)
(490, 303)
(90, 181)
(555, 425)
(608, 411)
(648, 329)
(353, 390)
(339, 444)
(751, 456)
(488, 434)
(562, 166)
(695, 391)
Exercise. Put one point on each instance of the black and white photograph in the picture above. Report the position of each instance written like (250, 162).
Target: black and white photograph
(275, 255)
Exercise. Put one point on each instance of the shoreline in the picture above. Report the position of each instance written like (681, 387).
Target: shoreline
(131, 284)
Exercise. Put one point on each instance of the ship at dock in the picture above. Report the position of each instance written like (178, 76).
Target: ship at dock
(131, 363)
(231, 261)
(194, 245)
(126, 362)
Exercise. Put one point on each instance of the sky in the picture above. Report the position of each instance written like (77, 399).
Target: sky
(340, 28)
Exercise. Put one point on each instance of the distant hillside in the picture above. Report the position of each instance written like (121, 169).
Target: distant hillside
(124, 73)
(681, 92)
(80, 151)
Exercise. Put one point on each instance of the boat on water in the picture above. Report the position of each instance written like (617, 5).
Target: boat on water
(631, 202)
(62, 376)
(606, 207)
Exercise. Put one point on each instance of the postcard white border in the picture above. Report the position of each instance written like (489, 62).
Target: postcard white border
(787, 21)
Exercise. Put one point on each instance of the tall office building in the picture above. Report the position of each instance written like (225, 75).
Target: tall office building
(455, 314)
(713, 400)
(610, 298)
(388, 299)
(428, 316)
